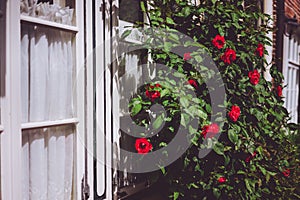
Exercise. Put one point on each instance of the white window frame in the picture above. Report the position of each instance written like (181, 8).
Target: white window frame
(291, 64)
(11, 137)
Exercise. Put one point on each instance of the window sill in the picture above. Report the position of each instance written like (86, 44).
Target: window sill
(42, 22)
(46, 124)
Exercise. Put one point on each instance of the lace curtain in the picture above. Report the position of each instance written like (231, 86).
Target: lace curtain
(47, 71)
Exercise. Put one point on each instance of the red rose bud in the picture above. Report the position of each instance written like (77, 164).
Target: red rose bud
(222, 179)
(148, 94)
(250, 157)
(218, 41)
(143, 146)
(193, 83)
(229, 56)
(152, 94)
(234, 113)
(210, 131)
(157, 85)
(279, 90)
(260, 50)
(187, 56)
(155, 95)
(254, 77)
(286, 173)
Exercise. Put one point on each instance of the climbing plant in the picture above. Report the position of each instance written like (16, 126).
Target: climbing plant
(252, 154)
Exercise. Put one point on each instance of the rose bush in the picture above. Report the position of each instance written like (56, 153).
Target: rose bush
(252, 153)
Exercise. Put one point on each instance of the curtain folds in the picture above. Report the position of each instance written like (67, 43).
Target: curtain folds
(47, 71)
(48, 162)
(47, 74)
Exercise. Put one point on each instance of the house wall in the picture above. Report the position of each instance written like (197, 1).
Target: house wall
(292, 8)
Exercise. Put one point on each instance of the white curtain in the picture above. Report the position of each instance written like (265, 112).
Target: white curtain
(48, 163)
(47, 71)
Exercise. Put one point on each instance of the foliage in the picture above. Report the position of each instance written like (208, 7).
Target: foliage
(254, 156)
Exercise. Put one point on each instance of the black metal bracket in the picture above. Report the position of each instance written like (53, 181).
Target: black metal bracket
(85, 189)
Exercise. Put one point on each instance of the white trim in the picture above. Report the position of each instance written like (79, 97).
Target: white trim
(38, 21)
(285, 60)
(79, 148)
(108, 118)
(44, 124)
(268, 9)
(100, 103)
(89, 128)
(11, 140)
(11, 136)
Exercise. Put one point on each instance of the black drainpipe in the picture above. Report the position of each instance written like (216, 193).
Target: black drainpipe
(280, 16)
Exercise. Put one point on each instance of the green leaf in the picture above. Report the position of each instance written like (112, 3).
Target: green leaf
(163, 144)
(216, 193)
(186, 11)
(158, 122)
(178, 74)
(192, 185)
(170, 21)
(184, 101)
(233, 137)
(163, 170)
(143, 6)
(218, 148)
(198, 58)
(272, 173)
(262, 169)
(136, 109)
(171, 129)
(266, 190)
(175, 195)
(247, 183)
(164, 92)
(184, 119)
(126, 33)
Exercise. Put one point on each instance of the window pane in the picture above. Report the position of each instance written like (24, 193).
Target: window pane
(48, 163)
(130, 11)
(47, 62)
(60, 11)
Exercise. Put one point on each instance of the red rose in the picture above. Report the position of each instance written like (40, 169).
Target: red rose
(210, 131)
(234, 113)
(279, 90)
(254, 77)
(148, 94)
(218, 41)
(229, 56)
(153, 94)
(187, 56)
(143, 146)
(250, 157)
(193, 83)
(222, 179)
(286, 173)
(157, 85)
(260, 50)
